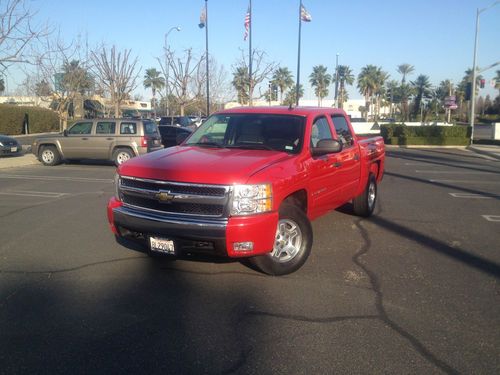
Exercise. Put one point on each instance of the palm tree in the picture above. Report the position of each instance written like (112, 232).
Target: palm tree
(241, 84)
(282, 78)
(290, 97)
(405, 69)
(423, 90)
(345, 77)
(320, 80)
(369, 83)
(154, 81)
(380, 90)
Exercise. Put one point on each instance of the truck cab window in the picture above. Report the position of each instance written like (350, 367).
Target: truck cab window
(320, 130)
(343, 131)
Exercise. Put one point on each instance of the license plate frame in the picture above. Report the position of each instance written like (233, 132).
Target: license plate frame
(161, 245)
(13, 149)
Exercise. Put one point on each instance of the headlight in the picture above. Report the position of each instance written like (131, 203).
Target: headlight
(1, 144)
(117, 187)
(251, 199)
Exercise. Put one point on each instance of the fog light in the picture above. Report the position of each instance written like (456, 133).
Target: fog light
(243, 246)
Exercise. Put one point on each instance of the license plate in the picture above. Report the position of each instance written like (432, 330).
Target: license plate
(161, 245)
(13, 149)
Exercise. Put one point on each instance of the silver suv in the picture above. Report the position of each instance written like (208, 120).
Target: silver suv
(104, 139)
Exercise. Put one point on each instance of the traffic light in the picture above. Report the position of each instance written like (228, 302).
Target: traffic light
(389, 95)
(481, 83)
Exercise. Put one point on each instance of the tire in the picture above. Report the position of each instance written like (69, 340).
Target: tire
(121, 155)
(49, 155)
(364, 204)
(292, 245)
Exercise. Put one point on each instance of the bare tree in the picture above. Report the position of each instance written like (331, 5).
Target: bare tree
(261, 70)
(116, 73)
(186, 78)
(61, 68)
(17, 32)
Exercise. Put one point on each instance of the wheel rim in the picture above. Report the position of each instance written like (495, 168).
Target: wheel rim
(288, 241)
(372, 193)
(122, 157)
(48, 156)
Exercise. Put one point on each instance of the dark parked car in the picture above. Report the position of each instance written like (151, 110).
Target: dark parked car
(9, 146)
(183, 121)
(172, 135)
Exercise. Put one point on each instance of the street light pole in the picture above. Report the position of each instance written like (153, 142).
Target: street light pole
(336, 81)
(167, 87)
(473, 94)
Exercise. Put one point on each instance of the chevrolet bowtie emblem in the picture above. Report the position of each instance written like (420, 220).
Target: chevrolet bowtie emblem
(164, 196)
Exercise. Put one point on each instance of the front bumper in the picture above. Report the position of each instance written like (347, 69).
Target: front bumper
(195, 234)
(10, 150)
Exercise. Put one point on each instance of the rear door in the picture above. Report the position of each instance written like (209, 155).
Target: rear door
(349, 169)
(103, 139)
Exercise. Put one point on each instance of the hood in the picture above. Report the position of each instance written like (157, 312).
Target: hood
(205, 165)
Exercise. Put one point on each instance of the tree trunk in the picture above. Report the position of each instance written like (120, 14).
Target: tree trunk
(117, 109)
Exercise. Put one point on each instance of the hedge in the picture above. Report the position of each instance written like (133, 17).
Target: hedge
(398, 134)
(41, 120)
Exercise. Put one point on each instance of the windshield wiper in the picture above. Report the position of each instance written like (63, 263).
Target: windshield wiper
(207, 144)
(252, 146)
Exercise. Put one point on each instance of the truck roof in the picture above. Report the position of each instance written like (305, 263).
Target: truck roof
(283, 110)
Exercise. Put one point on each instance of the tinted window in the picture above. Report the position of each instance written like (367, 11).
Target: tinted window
(105, 127)
(320, 130)
(343, 131)
(150, 128)
(128, 128)
(81, 128)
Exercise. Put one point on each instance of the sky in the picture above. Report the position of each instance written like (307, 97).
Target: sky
(436, 37)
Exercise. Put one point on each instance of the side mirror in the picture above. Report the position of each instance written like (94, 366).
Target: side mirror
(327, 146)
(65, 132)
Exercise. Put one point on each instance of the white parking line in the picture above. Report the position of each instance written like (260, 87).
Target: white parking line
(473, 196)
(53, 178)
(495, 218)
(452, 172)
(43, 194)
(468, 181)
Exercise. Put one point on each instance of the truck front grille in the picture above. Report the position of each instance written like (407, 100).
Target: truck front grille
(175, 198)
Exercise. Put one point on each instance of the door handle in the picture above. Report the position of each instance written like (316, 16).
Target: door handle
(337, 164)
(85, 139)
(356, 157)
(109, 139)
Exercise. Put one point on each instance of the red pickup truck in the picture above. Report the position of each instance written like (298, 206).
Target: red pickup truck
(247, 183)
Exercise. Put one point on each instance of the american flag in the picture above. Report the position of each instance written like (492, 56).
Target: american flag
(247, 23)
(304, 14)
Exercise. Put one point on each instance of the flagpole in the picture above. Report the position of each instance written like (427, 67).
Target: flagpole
(250, 55)
(298, 59)
(206, 57)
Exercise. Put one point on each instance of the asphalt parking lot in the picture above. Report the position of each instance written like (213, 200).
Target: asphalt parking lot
(414, 289)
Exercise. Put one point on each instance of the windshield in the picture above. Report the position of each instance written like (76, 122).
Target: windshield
(251, 131)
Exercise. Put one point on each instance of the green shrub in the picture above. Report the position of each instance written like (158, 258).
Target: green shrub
(425, 135)
(41, 120)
